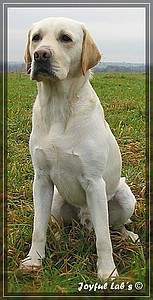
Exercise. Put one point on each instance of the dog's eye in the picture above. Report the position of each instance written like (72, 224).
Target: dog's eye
(36, 37)
(65, 38)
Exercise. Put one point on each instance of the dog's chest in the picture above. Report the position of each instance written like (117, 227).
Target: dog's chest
(54, 155)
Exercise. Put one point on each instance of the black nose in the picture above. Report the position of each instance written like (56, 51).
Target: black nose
(42, 55)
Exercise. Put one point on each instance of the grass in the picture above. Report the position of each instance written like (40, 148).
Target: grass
(70, 251)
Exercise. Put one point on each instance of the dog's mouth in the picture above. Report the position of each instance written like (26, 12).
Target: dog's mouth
(40, 72)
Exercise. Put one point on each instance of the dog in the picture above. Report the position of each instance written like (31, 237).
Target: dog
(76, 159)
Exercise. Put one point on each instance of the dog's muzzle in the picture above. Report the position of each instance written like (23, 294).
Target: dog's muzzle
(42, 64)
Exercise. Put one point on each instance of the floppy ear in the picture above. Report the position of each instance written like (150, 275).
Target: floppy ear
(27, 56)
(90, 53)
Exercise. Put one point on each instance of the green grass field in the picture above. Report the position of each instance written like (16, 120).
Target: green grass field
(70, 252)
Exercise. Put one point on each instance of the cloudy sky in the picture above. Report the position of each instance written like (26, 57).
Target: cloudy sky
(118, 32)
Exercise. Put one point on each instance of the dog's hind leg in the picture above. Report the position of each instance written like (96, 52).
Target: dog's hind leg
(62, 210)
(121, 208)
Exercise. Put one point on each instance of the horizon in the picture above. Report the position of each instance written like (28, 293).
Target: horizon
(117, 62)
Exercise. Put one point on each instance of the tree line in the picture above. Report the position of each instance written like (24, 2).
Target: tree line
(102, 67)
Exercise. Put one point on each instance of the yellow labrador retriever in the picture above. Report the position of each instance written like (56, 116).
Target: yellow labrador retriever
(71, 144)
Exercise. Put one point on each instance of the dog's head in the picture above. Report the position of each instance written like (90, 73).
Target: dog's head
(58, 48)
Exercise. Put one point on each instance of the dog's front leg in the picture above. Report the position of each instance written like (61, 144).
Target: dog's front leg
(42, 196)
(97, 204)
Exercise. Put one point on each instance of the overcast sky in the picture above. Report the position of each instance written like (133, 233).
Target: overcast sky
(118, 32)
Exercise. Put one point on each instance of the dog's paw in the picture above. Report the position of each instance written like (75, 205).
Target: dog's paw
(129, 235)
(28, 265)
(134, 237)
(103, 275)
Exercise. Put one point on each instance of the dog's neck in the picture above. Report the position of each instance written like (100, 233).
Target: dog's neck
(58, 98)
